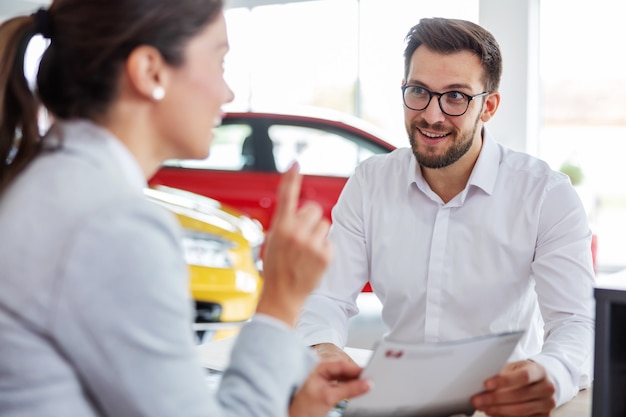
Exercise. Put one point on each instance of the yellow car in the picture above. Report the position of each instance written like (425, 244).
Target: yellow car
(222, 248)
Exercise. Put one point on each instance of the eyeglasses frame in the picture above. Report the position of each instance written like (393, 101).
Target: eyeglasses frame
(439, 95)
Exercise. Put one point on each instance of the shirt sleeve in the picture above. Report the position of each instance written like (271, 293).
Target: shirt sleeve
(564, 276)
(324, 318)
(123, 319)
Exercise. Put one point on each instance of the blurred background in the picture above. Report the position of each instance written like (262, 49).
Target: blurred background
(564, 80)
(347, 55)
(563, 87)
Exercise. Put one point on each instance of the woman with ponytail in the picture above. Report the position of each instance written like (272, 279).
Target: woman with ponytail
(95, 317)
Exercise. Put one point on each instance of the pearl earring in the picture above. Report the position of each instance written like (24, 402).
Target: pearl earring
(158, 93)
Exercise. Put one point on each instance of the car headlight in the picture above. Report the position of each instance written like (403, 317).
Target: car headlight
(207, 250)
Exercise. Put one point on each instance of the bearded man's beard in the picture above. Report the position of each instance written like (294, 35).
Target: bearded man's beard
(462, 143)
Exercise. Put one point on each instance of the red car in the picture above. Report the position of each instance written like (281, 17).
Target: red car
(251, 150)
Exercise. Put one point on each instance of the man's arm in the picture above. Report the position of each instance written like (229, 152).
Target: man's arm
(563, 273)
(564, 276)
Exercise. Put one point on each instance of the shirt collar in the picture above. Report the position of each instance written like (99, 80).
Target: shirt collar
(486, 168)
(483, 175)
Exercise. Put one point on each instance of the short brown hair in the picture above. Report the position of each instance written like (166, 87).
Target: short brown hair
(454, 35)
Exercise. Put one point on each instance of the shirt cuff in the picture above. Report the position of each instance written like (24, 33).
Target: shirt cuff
(565, 388)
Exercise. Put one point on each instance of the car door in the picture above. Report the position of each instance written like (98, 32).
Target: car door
(251, 151)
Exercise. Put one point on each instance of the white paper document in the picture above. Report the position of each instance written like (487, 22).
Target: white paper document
(430, 379)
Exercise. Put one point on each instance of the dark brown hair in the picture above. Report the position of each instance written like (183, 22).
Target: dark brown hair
(79, 71)
(454, 35)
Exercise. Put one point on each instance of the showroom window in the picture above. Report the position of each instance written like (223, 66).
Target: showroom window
(344, 55)
(583, 131)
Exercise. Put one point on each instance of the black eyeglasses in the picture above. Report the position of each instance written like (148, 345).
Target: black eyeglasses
(452, 103)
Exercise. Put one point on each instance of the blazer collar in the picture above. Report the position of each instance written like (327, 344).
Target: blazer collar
(99, 147)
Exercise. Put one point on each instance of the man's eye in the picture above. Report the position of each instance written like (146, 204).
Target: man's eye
(418, 91)
(455, 95)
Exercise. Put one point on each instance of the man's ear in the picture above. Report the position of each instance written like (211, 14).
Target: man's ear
(146, 70)
(492, 102)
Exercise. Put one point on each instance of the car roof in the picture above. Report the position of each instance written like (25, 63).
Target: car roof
(318, 116)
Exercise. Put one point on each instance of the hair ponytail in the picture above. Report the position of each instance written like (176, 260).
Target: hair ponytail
(19, 131)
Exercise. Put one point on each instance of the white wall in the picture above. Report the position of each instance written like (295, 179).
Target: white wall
(515, 25)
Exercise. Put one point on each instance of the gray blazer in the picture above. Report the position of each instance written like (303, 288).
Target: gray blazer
(94, 302)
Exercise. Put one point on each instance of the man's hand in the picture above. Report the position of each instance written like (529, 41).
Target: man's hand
(330, 352)
(296, 252)
(521, 389)
(329, 383)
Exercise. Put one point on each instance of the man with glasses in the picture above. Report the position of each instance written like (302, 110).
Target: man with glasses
(461, 237)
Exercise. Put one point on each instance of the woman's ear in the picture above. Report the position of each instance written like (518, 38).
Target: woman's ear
(146, 71)
(492, 102)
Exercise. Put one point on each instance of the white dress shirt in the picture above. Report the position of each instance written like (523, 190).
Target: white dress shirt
(511, 251)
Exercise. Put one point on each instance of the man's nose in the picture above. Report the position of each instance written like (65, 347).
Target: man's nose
(432, 113)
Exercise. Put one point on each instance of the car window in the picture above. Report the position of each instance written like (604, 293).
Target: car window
(319, 152)
(226, 150)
